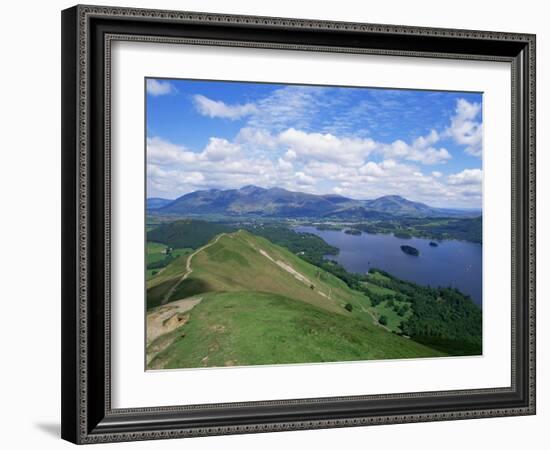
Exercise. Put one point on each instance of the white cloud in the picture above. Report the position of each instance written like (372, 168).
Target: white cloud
(326, 147)
(430, 156)
(392, 177)
(256, 137)
(213, 108)
(326, 170)
(290, 155)
(465, 128)
(420, 150)
(302, 178)
(467, 177)
(174, 170)
(285, 165)
(219, 149)
(157, 88)
(316, 162)
(160, 151)
(195, 178)
(290, 106)
(372, 169)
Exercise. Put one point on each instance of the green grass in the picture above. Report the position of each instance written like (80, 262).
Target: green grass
(377, 276)
(382, 309)
(252, 328)
(163, 281)
(394, 319)
(255, 312)
(156, 252)
(379, 289)
(186, 233)
(235, 263)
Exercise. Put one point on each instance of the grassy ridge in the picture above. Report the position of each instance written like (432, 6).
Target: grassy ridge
(262, 304)
(308, 245)
(235, 263)
(251, 328)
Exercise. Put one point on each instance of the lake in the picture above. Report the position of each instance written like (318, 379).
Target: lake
(451, 263)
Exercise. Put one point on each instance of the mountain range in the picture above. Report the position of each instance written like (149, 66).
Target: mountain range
(281, 203)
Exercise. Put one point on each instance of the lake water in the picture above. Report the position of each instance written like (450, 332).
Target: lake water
(452, 263)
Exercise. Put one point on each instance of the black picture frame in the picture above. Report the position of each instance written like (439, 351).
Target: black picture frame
(87, 415)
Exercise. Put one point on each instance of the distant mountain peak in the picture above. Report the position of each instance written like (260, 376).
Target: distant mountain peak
(278, 202)
(251, 189)
(392, 197)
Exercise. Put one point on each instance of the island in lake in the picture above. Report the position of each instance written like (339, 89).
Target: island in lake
(433, 244)
(353, 232)
(410, 250)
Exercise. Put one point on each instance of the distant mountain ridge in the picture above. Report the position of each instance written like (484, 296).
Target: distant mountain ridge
(155, 202)
(277, 202)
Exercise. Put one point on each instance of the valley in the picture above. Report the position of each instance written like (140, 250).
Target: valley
(245, 289)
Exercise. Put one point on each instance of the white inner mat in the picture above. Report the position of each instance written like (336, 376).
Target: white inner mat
(132, 386)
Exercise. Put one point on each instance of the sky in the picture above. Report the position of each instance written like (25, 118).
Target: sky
(358, 142)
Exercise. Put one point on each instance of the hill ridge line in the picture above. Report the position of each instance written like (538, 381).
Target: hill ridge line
(188, 269)
(287, 268)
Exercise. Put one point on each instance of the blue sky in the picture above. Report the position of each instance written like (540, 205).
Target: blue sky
(357, 142)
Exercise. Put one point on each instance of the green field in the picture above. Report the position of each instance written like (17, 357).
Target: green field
(156, 253)
(251, 328)
(262, 304)
(186, 233)
(394, 320)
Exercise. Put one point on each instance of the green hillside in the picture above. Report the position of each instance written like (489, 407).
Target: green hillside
(242, 261)
(261, 304)
(251, 328)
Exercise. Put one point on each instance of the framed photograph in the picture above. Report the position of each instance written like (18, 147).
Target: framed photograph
(279, 224)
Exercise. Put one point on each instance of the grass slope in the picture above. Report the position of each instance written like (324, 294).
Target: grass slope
(251, 328)
(261, 304)
(236, 263)
(156, 254)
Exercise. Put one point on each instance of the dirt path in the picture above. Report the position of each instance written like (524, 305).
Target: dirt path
(188, 269)
(165, 319)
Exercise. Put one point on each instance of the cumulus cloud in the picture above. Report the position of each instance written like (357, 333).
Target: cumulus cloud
(287, 139)
(467, 177)
(161, 151)
(217, 108)
(159, 87)
(375, 179)
(257, 137)
(373, 169)
(326, 147)
(466, 127)
(302, 178)
(421, 150)
(219, 149)
(173, 169)
(284, 165)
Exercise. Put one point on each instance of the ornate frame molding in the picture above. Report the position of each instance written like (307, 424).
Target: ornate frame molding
(80, 418)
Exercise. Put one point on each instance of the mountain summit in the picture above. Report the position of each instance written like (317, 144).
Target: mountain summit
(278, 202)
